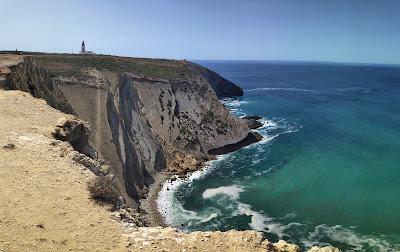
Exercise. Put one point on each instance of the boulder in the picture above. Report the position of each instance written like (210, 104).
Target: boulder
(255, 117)
(253, 124)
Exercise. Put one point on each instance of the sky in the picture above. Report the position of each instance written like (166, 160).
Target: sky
(363, 31)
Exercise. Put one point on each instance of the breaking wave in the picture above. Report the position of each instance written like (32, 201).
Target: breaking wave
(230, 191)
(170, 207)
(233, 105)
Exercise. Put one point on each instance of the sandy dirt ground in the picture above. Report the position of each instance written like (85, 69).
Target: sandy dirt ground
(8, 60)
(44, 201)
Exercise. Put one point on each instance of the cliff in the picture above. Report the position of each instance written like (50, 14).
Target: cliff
(47, 157)
(47, 206)
(145, 115)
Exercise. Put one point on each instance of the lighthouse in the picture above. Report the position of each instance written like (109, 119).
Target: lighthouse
(83, 51)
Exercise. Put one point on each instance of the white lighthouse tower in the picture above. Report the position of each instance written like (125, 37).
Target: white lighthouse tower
(83, 51)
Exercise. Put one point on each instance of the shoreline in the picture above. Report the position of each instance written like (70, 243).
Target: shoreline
(149, 206)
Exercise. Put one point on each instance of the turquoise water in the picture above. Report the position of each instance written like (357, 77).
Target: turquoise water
(327, 171)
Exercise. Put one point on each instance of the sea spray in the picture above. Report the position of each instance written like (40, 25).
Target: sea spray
(167, 204)
(230, 191)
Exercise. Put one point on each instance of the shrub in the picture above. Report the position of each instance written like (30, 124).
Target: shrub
(102, 189)
(208, 117)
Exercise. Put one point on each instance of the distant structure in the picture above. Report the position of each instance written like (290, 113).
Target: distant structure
(83, 49)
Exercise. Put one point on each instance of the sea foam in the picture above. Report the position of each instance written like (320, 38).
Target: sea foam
(170, 208)
(233, 105)
(260, 222)
(230, 191)
(338, 233)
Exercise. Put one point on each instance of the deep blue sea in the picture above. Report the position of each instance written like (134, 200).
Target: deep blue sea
(327, 171)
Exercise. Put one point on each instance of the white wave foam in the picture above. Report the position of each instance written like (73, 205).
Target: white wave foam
(230, 191)
(233, 105)
(274, 125)
(212, 216)
(337, 233)
(280, 89)
(231, 102)
(268, 124)
(260, 222)
(257, 160)
(168, 205)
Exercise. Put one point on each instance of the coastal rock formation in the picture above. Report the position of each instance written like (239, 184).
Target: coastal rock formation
(253, 123)
(143, 113)
(170, 239)
(53, 210)
(22, 74)
(221, 86)
(324, 249)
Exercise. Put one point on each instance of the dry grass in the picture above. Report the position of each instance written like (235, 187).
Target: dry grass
(102, 189)
(71, 65)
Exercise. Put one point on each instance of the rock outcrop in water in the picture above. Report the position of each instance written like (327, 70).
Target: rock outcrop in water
(143, 113)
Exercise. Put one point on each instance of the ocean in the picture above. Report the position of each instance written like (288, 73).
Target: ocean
(327, 171)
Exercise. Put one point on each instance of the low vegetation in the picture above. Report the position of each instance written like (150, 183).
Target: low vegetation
(208, 117)
(102, 189)
(70, 65)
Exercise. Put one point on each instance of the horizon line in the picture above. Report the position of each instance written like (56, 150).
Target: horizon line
(244, 60)
(304, 61)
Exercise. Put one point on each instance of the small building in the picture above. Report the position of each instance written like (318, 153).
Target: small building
(83, 50)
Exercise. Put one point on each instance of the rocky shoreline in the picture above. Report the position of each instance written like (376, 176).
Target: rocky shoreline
(148, 206)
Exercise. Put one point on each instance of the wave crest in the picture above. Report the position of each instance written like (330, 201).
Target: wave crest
(230, 191)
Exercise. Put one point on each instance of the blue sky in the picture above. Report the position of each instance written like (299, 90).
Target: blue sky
(313, 30)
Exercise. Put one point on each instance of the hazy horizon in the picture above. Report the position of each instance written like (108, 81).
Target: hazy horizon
(360, 32)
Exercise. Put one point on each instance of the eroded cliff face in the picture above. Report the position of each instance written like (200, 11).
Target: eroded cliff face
(145, 115)
(139, 150)
(221, 86)
(29, 77)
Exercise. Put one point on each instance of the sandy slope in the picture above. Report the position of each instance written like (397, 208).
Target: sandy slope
(44, 201)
